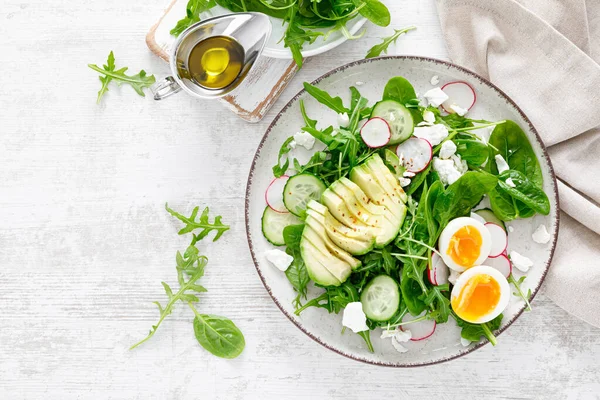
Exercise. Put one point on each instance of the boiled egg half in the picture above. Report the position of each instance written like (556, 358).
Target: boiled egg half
(480, 294)
(464, 243)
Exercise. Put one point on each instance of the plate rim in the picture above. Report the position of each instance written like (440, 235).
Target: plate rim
(421, 59)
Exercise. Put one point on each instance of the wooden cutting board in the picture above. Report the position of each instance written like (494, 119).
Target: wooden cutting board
(261, 88)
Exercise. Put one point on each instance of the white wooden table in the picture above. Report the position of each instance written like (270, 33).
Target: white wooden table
(85, 241)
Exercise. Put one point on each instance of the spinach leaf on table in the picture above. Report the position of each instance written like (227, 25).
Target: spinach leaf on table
(219, 335)
(514, 147)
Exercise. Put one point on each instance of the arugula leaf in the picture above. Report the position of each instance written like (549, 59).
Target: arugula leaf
(474, 332)
(296, 273)
(517, 284)
(280, 169)
(193, 10)
(192, 264)
(456, 121)
(335, 103)
(524, 191)
(203, 223)
(373, 10)
(219, 335)
(376, 50)
(138, 82)
(295, 36)
(512, 143)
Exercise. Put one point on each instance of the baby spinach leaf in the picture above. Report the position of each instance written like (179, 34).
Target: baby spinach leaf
(400, 90)
(514, 147)
(474, 332)
(335, 103)
(193, 10)
(456, 121)
(502, 205)
(219, 335)
(411, 292)
(374, 10)
(382, 47)
(472, 151)
(459, 198)
(524, 191)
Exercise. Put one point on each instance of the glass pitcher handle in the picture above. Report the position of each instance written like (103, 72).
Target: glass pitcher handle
(165, 88)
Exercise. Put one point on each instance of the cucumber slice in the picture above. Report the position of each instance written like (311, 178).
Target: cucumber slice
(274, 222)
(300, 190)
(489, 216)
(398, 117)
(380, 298)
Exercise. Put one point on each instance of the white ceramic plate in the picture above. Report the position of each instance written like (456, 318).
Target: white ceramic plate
(492, 104)
(275, 48)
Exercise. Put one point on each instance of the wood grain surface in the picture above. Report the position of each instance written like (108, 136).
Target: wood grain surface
(85, 240)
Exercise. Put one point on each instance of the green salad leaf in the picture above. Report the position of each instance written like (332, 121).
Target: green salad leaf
(335, 103)
(382, 47)
(138, 82)
(203, 223)
(373, 10)
(219, 335)
(400, 90)
(474, 332)
(296, 272)
(193, 10)
(524, 191)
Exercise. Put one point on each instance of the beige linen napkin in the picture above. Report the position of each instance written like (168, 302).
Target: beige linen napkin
(544, 54)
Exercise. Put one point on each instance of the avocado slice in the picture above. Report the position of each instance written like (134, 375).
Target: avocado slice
(330, 245)
(338, 208)
(357, 245)
(316, 270)
(385, 178)
(364, 179)
(357, 233)
(337, 267)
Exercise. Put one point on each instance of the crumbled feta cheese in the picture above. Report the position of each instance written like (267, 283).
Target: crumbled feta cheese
(434, 80)
(279, 259)
(343, 120)
(434, 134)
(292, 144)
(387, 333)
(447, 150)
(400, 335)
(447, 172)
(465, 342)
(459, 110)
(359, 83)
(541, 235)
(404, 182)
(521, 262)
(399, 348)
(501, 164)
(460, 164)
(429, 116)
(511, 229)
(510, 182)
(304, 139)
(408, 174)
(335, 132)
(453, 276)
(354, 317)
(435, 97)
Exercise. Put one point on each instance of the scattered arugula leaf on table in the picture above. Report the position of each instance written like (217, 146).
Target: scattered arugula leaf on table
(203, 223)
(376, 50)
(138, 82)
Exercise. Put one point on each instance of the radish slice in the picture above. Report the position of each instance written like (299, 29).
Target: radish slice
(415, 154)
(461, 93)
(501, 263)
(440, 270)
(274, 194)
(376, 132)
(499, 239)
(419, 330)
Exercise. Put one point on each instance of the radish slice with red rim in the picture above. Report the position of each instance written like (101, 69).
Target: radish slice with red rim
(501, 263)
(461, 93)
(499, 239)
(439, 269)
(376, 132)
(420, 330)
(415, 154)
(274, 194)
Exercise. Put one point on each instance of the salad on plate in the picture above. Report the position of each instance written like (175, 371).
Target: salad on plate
(399, 216)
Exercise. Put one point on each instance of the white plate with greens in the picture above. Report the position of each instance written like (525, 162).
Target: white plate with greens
(412, 269)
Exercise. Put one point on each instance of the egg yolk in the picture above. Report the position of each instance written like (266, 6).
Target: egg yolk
(465, 246)
(479, 296)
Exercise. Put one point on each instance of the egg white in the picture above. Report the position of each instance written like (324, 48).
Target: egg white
(496, 275)
(449, 231)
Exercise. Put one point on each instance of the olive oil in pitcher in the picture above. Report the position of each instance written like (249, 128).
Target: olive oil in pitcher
(216, 62)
